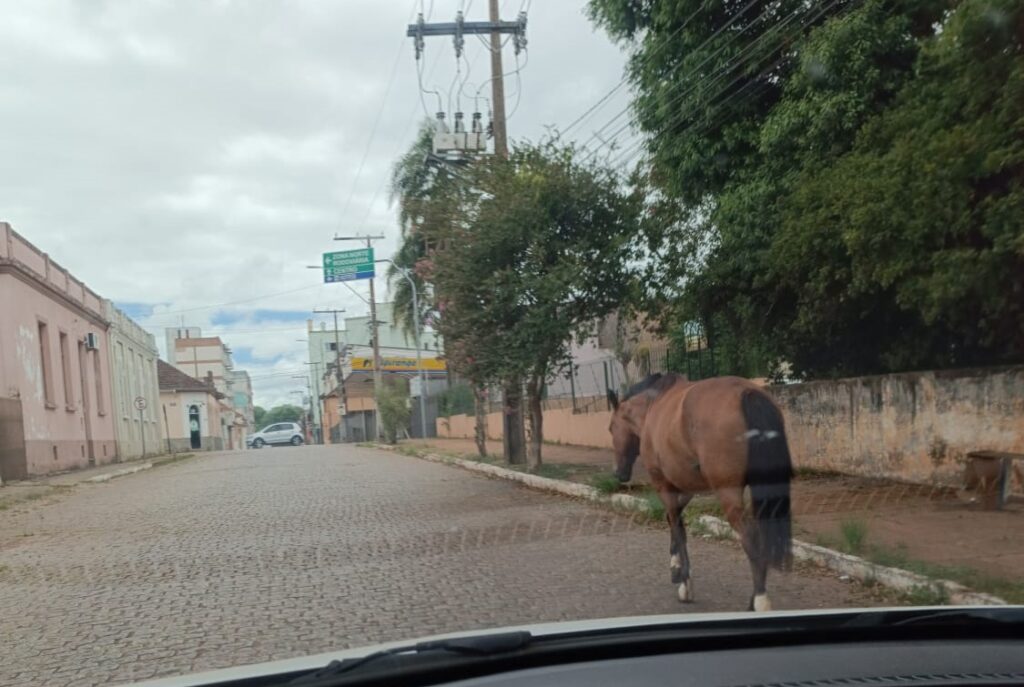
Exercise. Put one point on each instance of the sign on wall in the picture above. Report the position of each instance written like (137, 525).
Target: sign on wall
(398, 364)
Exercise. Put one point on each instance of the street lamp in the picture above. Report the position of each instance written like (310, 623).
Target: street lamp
(419, 363)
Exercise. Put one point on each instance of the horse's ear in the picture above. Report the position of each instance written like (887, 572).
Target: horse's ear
(613, 399)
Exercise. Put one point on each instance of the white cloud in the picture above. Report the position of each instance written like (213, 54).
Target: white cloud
(191, 153)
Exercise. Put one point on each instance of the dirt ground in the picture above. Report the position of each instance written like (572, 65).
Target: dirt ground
(937, 531)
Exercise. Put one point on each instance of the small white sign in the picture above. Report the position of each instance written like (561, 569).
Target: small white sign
(140, 403)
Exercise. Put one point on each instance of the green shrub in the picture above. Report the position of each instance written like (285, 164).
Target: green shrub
(393, 407)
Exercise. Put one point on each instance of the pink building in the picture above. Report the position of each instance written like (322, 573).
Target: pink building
(54, 366)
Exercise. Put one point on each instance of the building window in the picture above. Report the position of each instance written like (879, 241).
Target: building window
(45, 365)
(65, 370)
(96, 367)
(332, 346)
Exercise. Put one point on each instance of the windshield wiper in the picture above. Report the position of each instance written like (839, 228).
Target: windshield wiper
(475, 646)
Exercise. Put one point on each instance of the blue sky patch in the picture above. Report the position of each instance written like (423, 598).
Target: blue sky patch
(228, 317)
(135, 310)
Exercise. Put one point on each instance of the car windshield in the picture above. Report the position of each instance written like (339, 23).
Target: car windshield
(329, 324)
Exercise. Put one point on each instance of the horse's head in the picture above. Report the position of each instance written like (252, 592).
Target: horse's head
(628, 420)
(625, 429)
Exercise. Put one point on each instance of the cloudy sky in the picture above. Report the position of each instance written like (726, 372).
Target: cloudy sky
(188, 159)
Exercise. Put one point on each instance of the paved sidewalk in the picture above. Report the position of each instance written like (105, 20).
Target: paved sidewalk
(933, 530)
(51, 486)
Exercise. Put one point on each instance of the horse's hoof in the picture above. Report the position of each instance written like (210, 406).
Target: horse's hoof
(686, 592)
(760, 603)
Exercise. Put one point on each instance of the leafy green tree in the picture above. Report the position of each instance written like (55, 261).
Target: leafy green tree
(419, 185)
(282, 413)
(259, 415)
(837, 194)
(394, 409)
(537, 250)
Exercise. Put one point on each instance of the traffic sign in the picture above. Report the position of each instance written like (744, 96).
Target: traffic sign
(347, 265)
(140, 403)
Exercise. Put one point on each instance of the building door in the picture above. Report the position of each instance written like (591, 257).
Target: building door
(193, 426)
(90, 451)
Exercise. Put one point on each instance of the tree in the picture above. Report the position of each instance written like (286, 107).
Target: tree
(830, 185)
(535, 251)
(259, 415)
(284, 413)
(394, 409)
(417, 183)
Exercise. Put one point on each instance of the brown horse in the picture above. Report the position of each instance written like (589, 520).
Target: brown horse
(720, 435)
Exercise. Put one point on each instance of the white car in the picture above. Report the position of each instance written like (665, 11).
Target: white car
(279, 434)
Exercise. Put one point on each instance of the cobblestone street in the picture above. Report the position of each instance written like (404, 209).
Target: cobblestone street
(236, 558)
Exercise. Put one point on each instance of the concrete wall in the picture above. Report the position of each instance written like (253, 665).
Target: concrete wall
(913, 427)
(133, 354)
(68, 421)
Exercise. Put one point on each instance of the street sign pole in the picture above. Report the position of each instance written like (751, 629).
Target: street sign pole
(359, 264)
(140, 404)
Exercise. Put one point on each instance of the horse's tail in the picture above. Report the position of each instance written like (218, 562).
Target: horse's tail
(769, 470)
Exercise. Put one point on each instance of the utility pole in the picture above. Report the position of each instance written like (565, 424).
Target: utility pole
(497, 87)
(318, 411)
(337, 352)
(514, 435)
(374, 333)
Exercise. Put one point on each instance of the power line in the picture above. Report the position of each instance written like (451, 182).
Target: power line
(376, 120)
(710, 38)
(625, 79)
(239, 302)
(723, 71)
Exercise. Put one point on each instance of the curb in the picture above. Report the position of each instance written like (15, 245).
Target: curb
(845, 564)
(106, 477)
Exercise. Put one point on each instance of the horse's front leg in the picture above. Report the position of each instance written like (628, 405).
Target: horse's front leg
(679, 558)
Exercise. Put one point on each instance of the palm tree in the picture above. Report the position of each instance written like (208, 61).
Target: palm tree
(413, 180)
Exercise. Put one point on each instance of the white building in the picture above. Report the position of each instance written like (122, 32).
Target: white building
(134, 389)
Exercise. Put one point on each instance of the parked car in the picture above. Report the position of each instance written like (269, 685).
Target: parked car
(277, 434)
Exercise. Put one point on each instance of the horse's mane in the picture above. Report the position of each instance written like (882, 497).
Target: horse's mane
(656, 382)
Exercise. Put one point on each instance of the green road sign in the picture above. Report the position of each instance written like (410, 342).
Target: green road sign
(347, 265)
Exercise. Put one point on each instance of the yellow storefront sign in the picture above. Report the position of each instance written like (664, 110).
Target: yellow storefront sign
(396, 364)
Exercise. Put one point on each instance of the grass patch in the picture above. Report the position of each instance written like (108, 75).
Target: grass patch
(853, 535)
(553, 470)
(926, 595)
(655, 508)
(407, 450)
(1010, 590)
(605, 483)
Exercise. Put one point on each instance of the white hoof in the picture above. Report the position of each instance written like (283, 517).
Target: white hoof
(686, 591)
(761, 603)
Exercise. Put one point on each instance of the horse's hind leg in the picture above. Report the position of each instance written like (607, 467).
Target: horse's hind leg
(679, 558)
(732, 503)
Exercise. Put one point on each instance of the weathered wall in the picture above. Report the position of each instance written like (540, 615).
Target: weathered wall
(913, 427)
(67, 421)
(13, 465)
